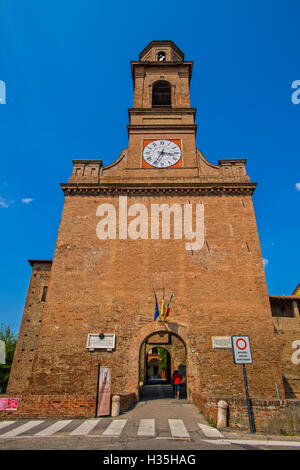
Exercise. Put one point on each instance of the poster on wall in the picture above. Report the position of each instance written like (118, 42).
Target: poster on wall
(3, 403)
(12, 403)
(104, 391)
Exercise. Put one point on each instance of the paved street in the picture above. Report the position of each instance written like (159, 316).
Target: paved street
(161, 424)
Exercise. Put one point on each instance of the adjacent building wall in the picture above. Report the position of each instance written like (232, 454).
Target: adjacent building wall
(26, 347)
(286, 320)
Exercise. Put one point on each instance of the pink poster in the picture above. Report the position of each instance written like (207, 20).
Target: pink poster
(3, 402)
(104, 392)
(12, 403)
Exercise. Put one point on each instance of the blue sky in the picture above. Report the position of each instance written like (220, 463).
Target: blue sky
(66, 66)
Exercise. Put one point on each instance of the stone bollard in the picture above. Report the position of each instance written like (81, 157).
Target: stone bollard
(222, 414)
(115, 405)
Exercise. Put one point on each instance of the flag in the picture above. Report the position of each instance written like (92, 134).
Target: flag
(156, 313)
(168, 306)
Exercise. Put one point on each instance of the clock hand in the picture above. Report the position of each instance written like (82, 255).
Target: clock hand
(171, 154)
(159, 156)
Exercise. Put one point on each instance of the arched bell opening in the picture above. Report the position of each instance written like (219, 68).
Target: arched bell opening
(161, 94)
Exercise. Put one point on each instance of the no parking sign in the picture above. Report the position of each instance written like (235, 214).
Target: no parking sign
(242, 355)
(241, 349)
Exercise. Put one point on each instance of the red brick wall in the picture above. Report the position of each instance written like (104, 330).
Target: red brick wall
(107, 286)
(66, 406)
(30, 328)
(272, 416)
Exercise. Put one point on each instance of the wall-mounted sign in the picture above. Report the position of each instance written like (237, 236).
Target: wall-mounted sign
(100, 341)
(9, 404)
(241, 349)
(3, 403)
(12, 403)
(221, 342)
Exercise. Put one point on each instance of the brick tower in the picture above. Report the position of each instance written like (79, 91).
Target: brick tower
(108, 262)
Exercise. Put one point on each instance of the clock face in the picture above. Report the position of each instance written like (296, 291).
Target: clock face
(162, 153)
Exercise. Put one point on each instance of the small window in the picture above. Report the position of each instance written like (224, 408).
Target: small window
(161, 94)
(161, 56)
(44, 294)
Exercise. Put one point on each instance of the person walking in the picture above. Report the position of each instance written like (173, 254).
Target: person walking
(176, 379)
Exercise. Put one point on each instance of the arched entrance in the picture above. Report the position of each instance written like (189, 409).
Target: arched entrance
(161, 353)
(158, 366)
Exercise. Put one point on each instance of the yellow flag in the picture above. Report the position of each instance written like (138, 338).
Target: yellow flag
(163, 311)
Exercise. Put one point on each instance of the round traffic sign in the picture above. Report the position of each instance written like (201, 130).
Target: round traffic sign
(241, 344)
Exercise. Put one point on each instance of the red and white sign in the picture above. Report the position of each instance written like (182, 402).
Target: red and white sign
(3, 403)
(8, 404)
(12, 404)
(241, 349)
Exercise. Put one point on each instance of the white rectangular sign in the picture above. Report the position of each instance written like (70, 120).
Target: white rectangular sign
(221, 342)
(94, 341)
(241, 349)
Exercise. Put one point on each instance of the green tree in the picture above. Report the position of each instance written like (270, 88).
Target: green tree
(10, 340)
(163, 358)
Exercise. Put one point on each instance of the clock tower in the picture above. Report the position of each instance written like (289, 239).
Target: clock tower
(162, 123)
(159, 221)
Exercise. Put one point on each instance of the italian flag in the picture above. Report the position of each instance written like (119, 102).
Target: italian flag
(168, 308)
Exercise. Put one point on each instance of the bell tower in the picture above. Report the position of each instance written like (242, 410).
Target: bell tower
(161, 118)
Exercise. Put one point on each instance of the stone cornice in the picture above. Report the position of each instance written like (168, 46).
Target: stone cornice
(87, 161)
(155, 63)
(39, 261)
(163, 127)
(143, 64)
(233, 188)
(285, 297)
(230, 161)
(162, 110)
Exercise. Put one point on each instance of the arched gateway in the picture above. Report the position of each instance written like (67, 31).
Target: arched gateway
(162, 353)
(171, 336)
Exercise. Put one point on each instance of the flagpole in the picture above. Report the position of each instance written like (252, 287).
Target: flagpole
(163, 307)
(164, 304)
